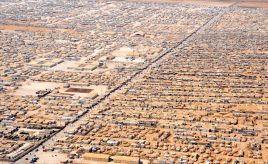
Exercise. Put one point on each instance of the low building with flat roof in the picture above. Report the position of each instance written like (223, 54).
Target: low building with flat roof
(96, 157)
(126, 160)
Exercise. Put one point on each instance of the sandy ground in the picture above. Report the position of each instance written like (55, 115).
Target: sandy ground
(99, 89)
(197, 2)
(217, 3)
(5, 162)
(263, 4)
(123, 51)
(31, 87)
(23, 28)
(47, 157)
(54, 158)
(65, 66)
(98, 162)
(124, 59)
(35, 29)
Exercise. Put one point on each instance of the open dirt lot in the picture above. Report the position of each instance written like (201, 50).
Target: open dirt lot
(31, 87)
(23, 28)
(216, 3)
